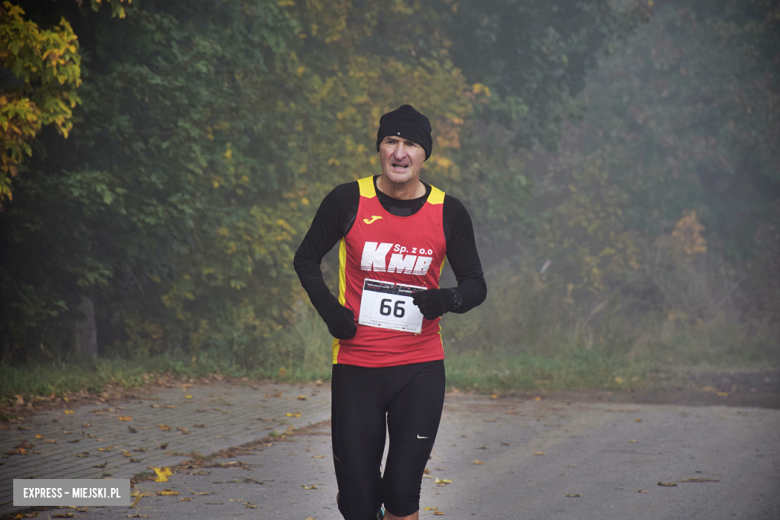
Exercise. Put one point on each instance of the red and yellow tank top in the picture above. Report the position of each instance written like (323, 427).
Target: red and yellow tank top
(391, 252)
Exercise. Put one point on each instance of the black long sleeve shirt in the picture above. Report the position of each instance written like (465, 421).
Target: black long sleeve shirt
(335, 217)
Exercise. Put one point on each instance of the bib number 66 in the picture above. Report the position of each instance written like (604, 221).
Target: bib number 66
(397, 310)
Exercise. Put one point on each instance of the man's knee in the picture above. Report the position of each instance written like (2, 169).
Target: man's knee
(360, 492)
(403, 477)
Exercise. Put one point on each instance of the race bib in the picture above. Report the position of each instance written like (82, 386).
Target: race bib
(389, 305)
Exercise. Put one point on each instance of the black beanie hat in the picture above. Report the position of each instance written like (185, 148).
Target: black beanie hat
(408, 123)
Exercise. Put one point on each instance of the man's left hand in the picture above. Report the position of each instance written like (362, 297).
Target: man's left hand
(434, 302)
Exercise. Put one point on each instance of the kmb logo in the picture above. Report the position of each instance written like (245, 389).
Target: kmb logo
(375, 259)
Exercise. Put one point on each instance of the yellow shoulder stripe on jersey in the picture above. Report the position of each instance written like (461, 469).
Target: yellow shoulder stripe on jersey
(436, 196)
(367, 187)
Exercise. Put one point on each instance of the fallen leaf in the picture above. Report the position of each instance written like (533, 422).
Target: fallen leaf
(504, 443)
(637, 420)
(667, 484)
(537, 398)
(295, 414)
(699, 480)
(642, 491)
(69, 412)
(125, 417)
(632, 440)
(185, 499)
(318, 456)
(442, 482)
(575, 495)
(51, 441)
(723, 394)
(438, 513)
(86, 425)
(162, 474)
(430, 509)
(478, 462)
(539, 453)
(167, 492)
(188, 396)
(310, 487)
(302, 397)
(39, 436)
(494, 396)
(163, 427)
(108, 448)
(200, 492)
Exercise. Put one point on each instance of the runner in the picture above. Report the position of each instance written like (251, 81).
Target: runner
(388, 358)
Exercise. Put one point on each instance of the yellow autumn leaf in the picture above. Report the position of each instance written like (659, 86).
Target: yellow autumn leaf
(167, 492)
(295, 414)
(162, 474)
(477, 462)
(539, 453)
(125, 417)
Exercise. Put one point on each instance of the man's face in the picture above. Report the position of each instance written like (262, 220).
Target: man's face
(401, 159)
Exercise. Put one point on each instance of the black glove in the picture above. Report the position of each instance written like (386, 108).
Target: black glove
(434, 302)
(341, 322)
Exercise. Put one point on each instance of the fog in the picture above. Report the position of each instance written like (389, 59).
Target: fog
(619, 161)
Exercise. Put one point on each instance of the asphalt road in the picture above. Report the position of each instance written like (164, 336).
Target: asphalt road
(513, 458)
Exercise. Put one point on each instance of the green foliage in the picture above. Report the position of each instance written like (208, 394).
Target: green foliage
(209, 131)
(46, 71)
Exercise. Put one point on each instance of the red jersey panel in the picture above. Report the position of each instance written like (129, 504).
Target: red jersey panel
(398, 255)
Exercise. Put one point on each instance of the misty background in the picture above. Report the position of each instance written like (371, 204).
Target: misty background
(620, 160)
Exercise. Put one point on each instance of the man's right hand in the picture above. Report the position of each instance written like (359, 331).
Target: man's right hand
(341, 322)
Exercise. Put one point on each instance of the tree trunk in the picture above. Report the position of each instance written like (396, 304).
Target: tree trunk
(85, 331)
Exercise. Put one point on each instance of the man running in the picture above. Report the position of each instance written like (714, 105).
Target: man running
(388, 358)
